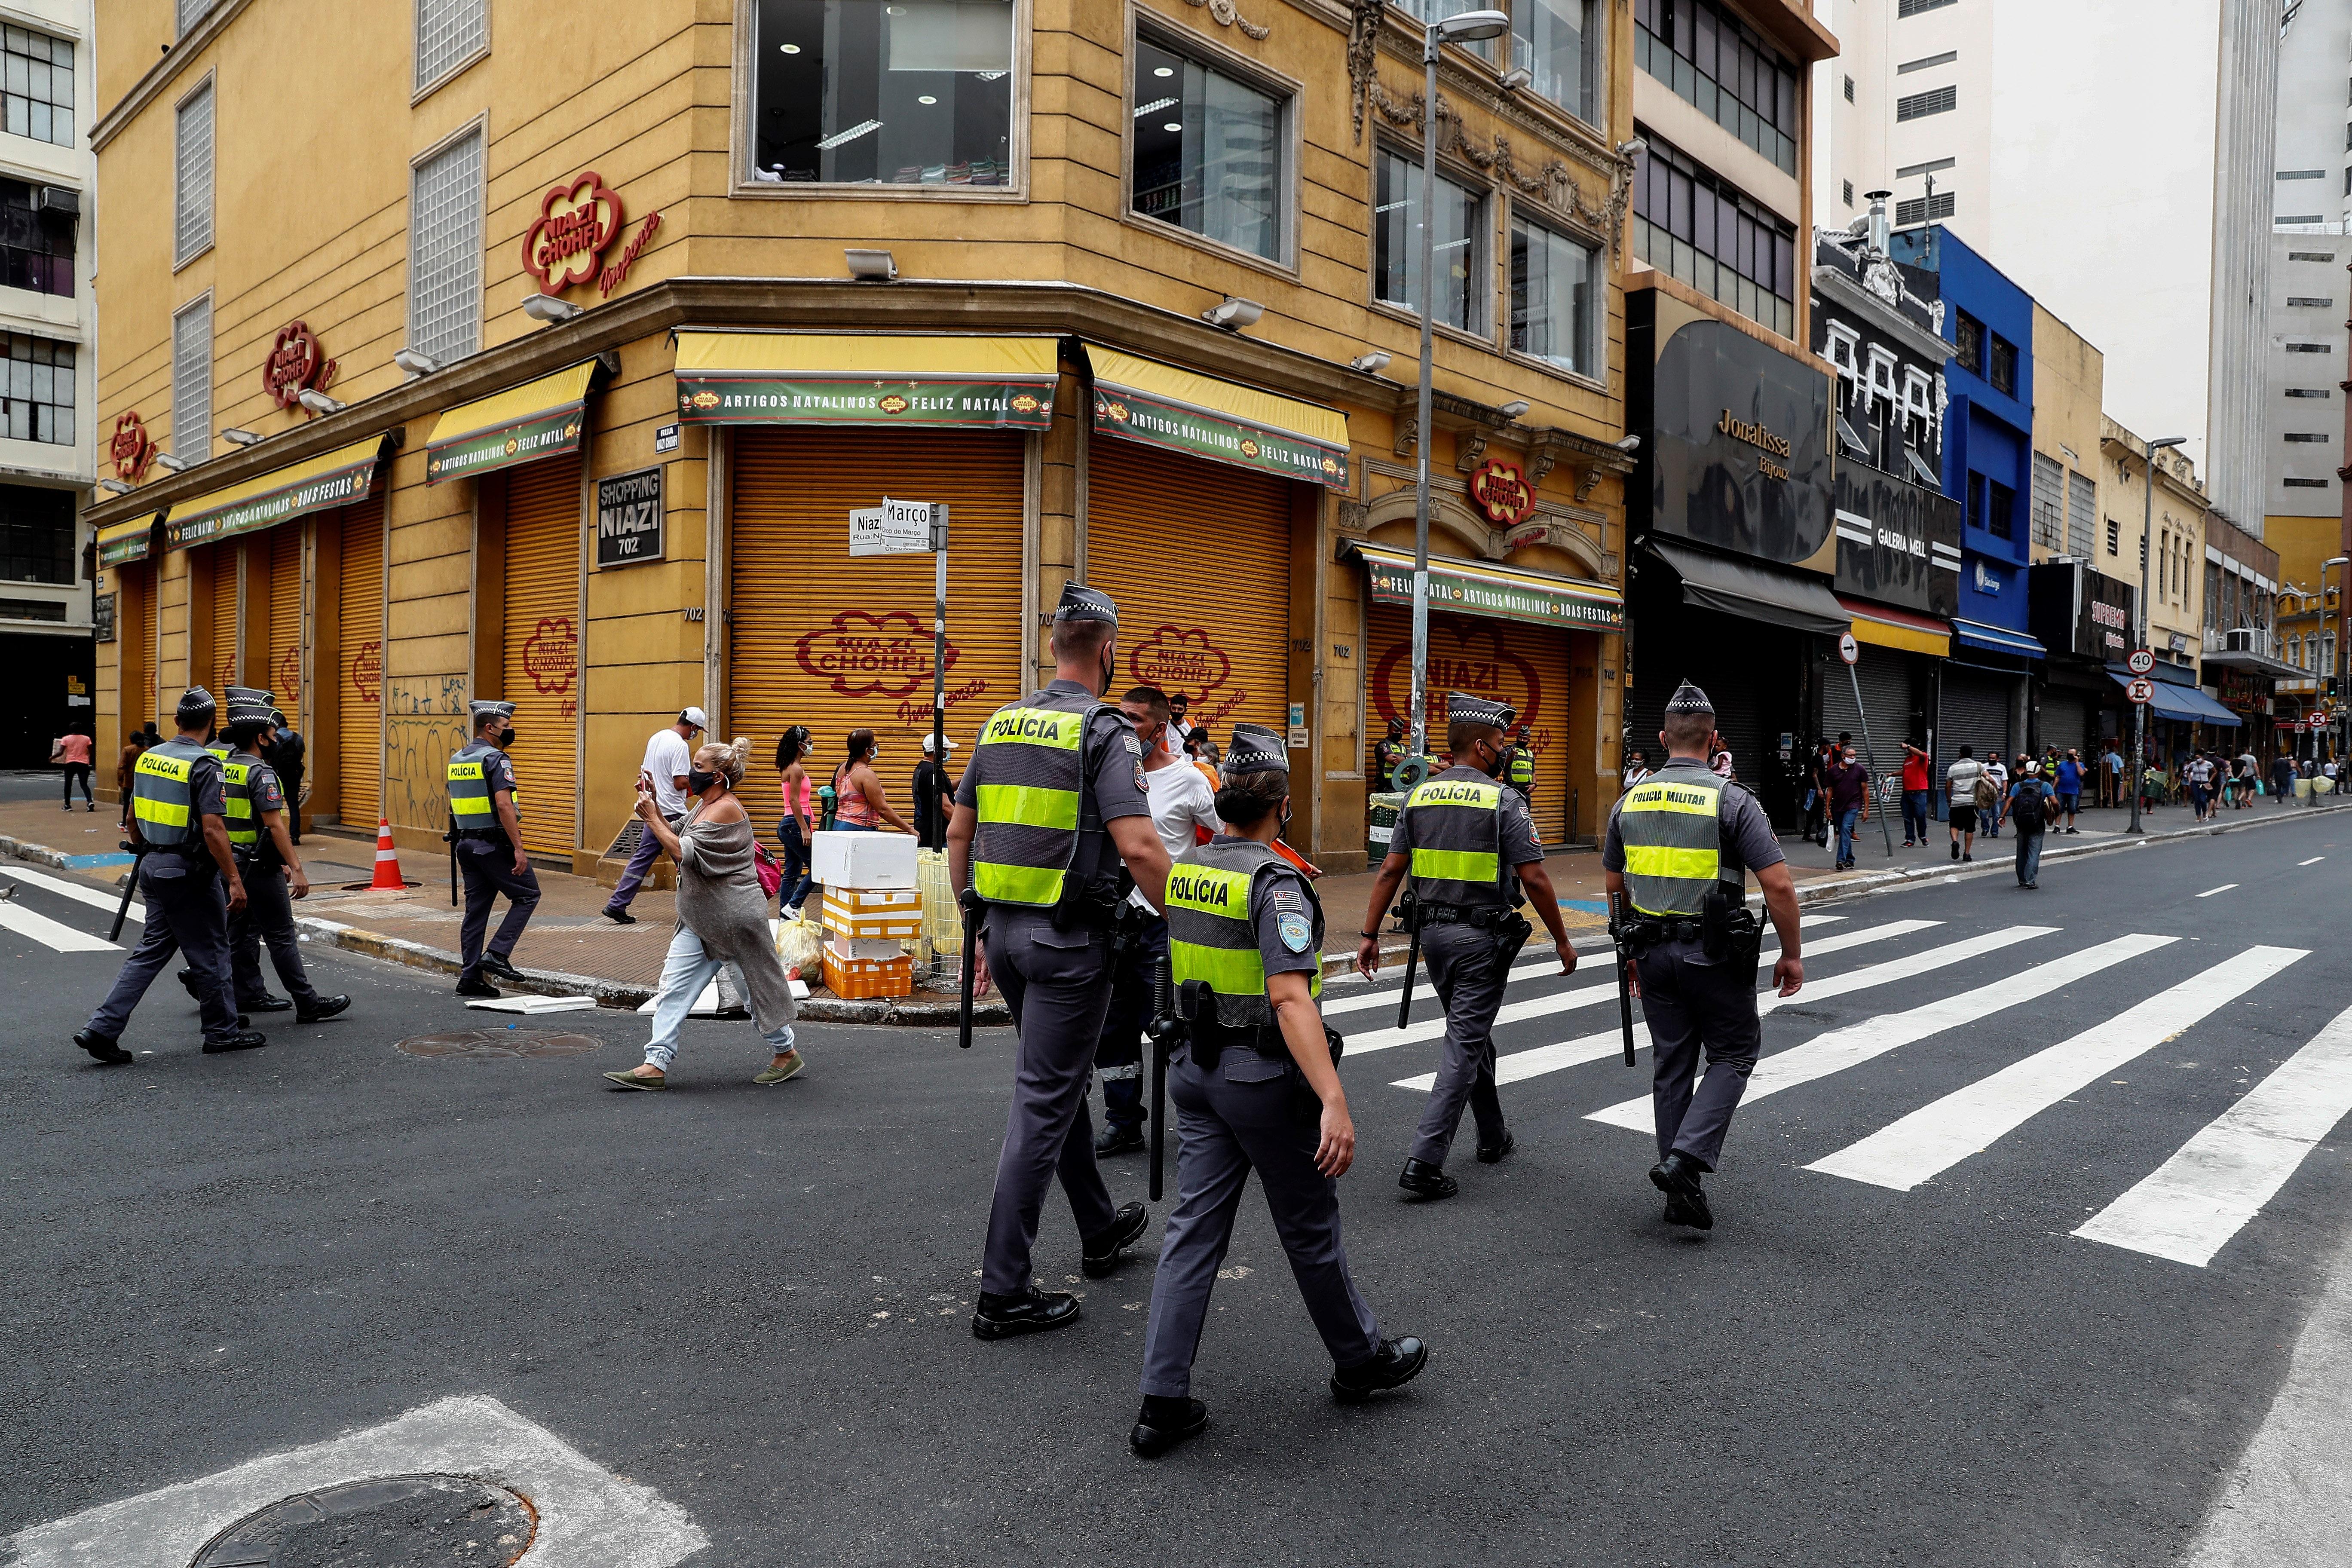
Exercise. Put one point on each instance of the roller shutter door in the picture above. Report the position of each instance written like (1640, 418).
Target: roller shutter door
(1976, 712)
(1885, 678)
(359, 667)
(136, 586)
(819, 639)
(542, 648)
(1197, 557)
(220, 618)
(284, 675)
(1526, 667)
(2066, 721)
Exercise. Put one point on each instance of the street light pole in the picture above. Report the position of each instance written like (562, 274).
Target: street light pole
(2340, 625)
(1465, 29)
(2146, 559)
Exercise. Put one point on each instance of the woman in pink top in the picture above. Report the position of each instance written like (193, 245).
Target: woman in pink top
(859, 803)
(73, 750)
(799, 824)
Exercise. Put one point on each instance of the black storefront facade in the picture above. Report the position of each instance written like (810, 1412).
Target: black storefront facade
(1898, 560)
(2083, 618)
(1733, 557)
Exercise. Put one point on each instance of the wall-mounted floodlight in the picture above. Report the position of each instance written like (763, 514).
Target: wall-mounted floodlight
(176, 465)
(1515, 407)
(416, 363)
(872, 266)
(242, 437)
(114, 486)
(1515, 80)
(1630, 444)
(317, 402)
(548, 309)
(1234, 313)
(1371, 364)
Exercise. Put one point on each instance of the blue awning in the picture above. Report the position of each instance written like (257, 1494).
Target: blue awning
(1997, 640)
(2183, 704)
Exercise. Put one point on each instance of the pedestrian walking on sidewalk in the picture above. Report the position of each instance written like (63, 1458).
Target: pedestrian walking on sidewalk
(934, 795)
(1680, 850)
(1637, 768)
(2282, 779)
(71, 750)
(666, 763)
(1849, 802)
(126, 766)
(488, 828)
(2068, 782)
(722, 918)
(2029, 814)
(1960, 781)
(1996, 781)
(1816, 825)
(2111, 776)
(860, 803)
(799, 824)
(1916, 786)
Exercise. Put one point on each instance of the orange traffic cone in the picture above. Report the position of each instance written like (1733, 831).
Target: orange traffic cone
(387, 860)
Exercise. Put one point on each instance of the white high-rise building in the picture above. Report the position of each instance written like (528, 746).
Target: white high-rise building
(2311, 200)
(2112, 157)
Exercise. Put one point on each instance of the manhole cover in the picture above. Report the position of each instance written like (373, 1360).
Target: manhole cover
(500, 1043)
(390, 1521)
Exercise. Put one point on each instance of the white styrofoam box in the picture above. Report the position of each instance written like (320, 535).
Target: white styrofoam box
(852, 948)
(840, 919)
(863, 859)
(525, 1002)
(876, 901)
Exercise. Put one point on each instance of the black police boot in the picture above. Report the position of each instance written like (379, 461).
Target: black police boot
(1491, 1154)
(1117, 1140)
(1166, 1420)
(477, 986)
(1030, 1311)
(619, 917)
(1428, 1181)
(187, 977)
(1396, 1362)
(268, 1003)
(107, 1052)
(319, 1007)
(244, 1039)
(497, 964)
(1677, 1176)
(1099, 1254)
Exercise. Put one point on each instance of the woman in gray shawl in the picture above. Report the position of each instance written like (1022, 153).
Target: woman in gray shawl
(723, 919)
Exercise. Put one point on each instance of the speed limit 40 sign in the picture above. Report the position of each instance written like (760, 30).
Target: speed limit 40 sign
(2140, 662)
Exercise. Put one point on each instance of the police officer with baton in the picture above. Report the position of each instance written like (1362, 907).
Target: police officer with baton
(1257, 1088)
(185, 863)
(486, 832)
(1468, 846)
(1679, 846)
(1050, 832)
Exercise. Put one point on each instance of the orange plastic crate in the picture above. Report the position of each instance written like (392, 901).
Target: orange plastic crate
(858, 980)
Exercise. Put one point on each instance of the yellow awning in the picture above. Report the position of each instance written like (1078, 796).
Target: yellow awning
(1895, 629)
(330, 479)
(866, 378)
(121, 542)
(1244, 405)
(1480, 588)
(522, 424)
(1182, 410)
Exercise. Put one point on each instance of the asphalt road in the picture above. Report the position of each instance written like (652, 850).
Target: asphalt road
(755, 1301)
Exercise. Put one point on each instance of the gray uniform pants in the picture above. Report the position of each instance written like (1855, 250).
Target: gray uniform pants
(187, 912)
(1465, 965)
(1688, 1004)
(489, 870)
(1247, 1113)
(1057, 984)
(268, 918)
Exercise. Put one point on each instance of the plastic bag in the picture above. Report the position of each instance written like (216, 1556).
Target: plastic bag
(799, 945)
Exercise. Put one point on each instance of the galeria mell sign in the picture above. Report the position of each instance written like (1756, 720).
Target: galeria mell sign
(578, 222)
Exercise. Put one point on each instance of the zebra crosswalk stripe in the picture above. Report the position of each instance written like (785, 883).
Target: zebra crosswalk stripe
(1838, 1049)
(80, 892)
(1526, 969)
(1549, 1059)
(55, 935)
(2189, 1208)
(1916, 1148)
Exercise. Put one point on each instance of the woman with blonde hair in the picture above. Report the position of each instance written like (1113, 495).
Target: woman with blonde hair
(723, 919)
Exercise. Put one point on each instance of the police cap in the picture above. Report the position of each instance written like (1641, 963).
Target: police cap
(196, 708)
(1689, 699)
(1256, 749)
(482, 713)
(249, 705)
(1080, 603)
(1476, 709)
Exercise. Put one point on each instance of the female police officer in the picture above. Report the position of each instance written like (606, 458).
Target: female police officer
(1255, 1086)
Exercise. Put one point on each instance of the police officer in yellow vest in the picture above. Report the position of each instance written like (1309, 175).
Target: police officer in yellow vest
(1255, 1088)
(1468, 846)
(1050, 830)
(260, 812)
(483, 820)
(1679, 846)
(177, 820)
(1519, 765)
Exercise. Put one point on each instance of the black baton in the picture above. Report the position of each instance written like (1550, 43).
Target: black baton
(971, 908)
(130, 891)
(1163, 1030)
(1411, 913)
(1625, 981)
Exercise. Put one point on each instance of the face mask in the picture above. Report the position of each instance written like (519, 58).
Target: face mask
(1491, 766)
(1109, 671)
(506, 736)
(1286, 811)
(697, 782)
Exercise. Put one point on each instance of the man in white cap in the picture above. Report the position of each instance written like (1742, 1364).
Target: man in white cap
(670, 756)
(934, 795)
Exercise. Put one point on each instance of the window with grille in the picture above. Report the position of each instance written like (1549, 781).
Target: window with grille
(192, 198)
(2114, 537)
(449, 34)
(37, 86)
(1912, 7)
(1849, 193)
(37, 537)
(1919, 105)
(1848, 90)
(445, 251)
(192, 380)
(1968, 336)
(37, 389)
(1694, 225)
(2049, 509)
(2082, 503)
(1924, 209)
(2001, 365)
(192, 12)
(36, 249)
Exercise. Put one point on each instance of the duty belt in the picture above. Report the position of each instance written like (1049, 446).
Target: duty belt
(1650, 930)
(1453, 914)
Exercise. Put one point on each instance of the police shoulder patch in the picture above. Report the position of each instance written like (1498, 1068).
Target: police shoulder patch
(1288, 898)
(1297, 934)
(1141, 788)
(1134, 746)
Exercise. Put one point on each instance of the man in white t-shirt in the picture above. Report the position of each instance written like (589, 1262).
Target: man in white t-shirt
(669, 758)
(1182, 812)
(1997, 770)
(1960, 802)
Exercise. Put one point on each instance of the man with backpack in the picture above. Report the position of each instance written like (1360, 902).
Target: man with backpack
(2028, 800)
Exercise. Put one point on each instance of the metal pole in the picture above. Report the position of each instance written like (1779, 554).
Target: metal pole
(1428, 249)
(1869, 763)
(940, 642)
(2138, 761)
